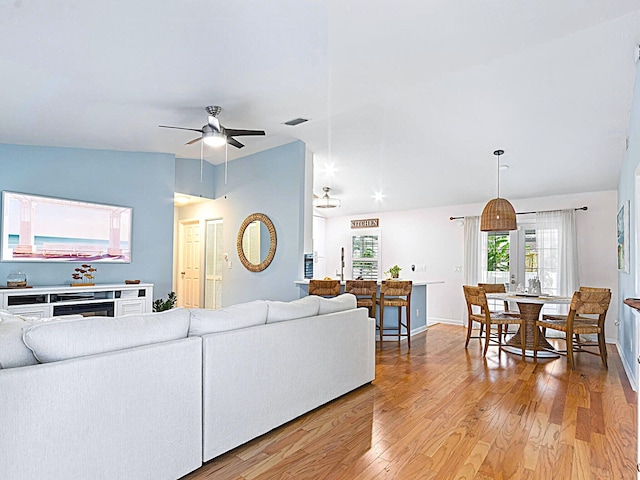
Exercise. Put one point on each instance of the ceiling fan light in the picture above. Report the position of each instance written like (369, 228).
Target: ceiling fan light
(214, 139)
(326, 201)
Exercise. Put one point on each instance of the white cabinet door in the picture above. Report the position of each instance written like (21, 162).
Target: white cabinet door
(37, 311)
(128, 307)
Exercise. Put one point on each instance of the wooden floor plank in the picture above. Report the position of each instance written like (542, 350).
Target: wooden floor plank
(440, 411)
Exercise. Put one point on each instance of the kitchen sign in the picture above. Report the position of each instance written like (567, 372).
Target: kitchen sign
(366, 223)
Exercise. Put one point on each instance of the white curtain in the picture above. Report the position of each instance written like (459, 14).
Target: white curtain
(475, 252)
(557, 252)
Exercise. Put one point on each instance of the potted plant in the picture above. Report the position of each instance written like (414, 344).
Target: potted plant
(161, 305)
(393, 272)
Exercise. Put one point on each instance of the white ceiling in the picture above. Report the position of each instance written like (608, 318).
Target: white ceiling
(408, 98)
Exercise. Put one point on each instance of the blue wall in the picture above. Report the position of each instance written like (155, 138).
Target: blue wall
(626, 281)
(269, 182)
(195, 178)
(144, 181)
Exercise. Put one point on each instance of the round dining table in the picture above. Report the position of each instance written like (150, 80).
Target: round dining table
(529, 307)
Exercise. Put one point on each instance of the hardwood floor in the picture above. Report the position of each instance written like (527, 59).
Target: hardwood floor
(443, 412)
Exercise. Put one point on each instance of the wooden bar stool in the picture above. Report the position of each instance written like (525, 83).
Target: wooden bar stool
(391, 295)
(365, 291)
(324, 288)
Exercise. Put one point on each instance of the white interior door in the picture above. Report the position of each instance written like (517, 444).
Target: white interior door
(214, 262)
(189, 273)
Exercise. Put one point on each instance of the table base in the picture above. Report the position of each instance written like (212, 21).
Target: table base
(529, 312)
(529, 353)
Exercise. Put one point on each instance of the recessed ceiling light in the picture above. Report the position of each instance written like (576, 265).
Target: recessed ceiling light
(330, 169)
(296, 121)
(378, 196)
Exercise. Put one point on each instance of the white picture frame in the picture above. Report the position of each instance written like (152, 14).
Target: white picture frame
(47, 229)
(622, 223)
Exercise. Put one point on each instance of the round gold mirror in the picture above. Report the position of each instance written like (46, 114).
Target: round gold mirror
(256, 242)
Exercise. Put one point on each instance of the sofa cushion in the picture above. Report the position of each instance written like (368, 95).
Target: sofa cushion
(64, 339)
(346, 301)
(7, 317)
(282, 311)
(242, 315)
(13, 351)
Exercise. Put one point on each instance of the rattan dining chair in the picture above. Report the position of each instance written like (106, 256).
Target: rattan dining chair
(365, 292)
(564, 317)
(396, 293)
(594, 302)
(499, 288)
(324, 288)
(476, 297)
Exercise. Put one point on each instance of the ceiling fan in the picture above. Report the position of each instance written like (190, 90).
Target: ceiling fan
(214, 134)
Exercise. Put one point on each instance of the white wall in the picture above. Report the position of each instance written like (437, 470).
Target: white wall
(427, 236)
(319, 248)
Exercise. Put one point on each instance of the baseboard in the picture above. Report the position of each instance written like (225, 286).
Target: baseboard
(450, 321)
(414, 331)
(628, 369)
(419, 330)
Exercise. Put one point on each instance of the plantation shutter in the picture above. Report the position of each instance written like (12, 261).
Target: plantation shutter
(364, 256)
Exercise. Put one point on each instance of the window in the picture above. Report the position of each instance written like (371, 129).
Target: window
(530, 256)
(548, 259)
(364, 256)
(498, 257)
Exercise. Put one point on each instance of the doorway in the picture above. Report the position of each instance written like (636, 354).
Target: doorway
(512, 257)
(198, 260)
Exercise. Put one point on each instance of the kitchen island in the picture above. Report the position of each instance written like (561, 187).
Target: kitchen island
(419, 306)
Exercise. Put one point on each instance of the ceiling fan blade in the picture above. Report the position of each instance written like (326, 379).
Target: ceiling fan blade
(194, 141)
(182, 128)
(237, 133)
(234, 142)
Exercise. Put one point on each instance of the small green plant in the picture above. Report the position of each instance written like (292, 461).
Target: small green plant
(161, 305)
(393, 272)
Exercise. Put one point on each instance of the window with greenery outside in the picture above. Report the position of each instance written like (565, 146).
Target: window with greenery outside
(498, 257)
(364, 254)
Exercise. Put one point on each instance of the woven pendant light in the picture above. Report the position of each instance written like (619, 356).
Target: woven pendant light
(498, 215)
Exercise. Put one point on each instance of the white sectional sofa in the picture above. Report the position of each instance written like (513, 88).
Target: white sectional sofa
(154, 396)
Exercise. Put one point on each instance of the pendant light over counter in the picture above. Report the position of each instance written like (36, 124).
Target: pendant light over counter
(498, 215)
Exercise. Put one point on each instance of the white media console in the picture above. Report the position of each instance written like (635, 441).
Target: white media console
(107, 300)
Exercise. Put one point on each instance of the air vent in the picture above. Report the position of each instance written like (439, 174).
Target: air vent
(296, 121)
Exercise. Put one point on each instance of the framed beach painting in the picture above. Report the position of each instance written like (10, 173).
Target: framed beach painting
(623, 237)
(47, 229)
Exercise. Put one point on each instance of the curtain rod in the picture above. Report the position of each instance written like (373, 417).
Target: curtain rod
(526, 213)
